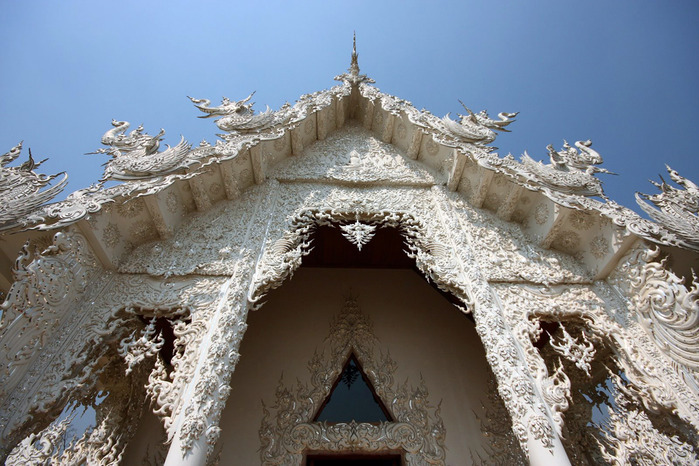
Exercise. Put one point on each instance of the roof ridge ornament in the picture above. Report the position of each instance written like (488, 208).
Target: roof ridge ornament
(675, 209)
(238, 116)
(135, 154)
(475, 128)
(571, 170)
(22, 190)
(353, 77)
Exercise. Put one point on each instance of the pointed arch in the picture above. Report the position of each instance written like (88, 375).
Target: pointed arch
(443, 252)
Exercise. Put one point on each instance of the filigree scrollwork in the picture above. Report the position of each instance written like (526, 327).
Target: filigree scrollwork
(580, 351)
(501, 445)
(40, 448)
(167, 378)
(675, 209)
(77, 439)
(46, 284)
(283, 257)
(592, 378)
(666, 309)
(22, 190)
(629, 436)
(135, 155)
(141, 344)
(287, 429)
(116, 367)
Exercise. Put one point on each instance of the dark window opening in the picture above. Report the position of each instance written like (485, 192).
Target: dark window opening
(386, 250)
(352, 398)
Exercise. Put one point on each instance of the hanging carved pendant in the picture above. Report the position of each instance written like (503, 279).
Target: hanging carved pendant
(358, 233)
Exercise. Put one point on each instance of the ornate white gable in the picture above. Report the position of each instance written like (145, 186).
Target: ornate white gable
(195, 237)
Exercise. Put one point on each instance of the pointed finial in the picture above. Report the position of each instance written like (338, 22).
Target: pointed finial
(354, 66)
(353, 76)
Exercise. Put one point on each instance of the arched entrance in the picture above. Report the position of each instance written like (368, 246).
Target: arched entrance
(420, 353)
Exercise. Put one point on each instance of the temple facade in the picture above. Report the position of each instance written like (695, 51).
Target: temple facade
(345, 280)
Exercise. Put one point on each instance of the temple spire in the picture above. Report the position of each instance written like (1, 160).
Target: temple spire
(354, 66)
(353, 77)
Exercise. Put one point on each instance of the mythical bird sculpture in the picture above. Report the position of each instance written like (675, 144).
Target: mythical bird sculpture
(236, 116)
(675, 209)
(21, 189)
(477, 128)
(117, 138)
(571, 170)
(135, 155)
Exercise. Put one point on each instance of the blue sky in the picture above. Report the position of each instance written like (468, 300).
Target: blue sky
(623, 74)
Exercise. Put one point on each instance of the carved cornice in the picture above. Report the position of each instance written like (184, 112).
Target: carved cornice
(568, 180)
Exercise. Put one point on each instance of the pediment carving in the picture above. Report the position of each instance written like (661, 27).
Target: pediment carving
(354, 155)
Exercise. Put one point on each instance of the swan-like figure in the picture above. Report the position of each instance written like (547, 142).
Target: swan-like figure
(118, 139)
(135, 155)
(477, 128)
(143, 162)
(571, 170)
(227, 107)
(236, 116)
(22, 190)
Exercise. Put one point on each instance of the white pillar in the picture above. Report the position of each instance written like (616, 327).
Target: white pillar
(177, 455)
(196, 427)
(541, 455)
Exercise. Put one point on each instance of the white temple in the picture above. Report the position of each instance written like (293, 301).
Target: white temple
(473, 308)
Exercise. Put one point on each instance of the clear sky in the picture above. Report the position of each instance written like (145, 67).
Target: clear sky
(621, 73)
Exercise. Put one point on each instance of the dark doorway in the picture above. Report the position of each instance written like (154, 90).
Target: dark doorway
(353, 460)
(386, 250)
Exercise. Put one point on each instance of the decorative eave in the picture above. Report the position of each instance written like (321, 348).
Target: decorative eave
(159, 188)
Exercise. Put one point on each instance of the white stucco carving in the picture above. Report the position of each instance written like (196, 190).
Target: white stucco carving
(288, 430)
(675, 209)
(23, 191)
(193, 238)
(135, 155)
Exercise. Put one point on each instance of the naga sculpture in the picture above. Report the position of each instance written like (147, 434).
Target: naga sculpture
(571, 171)
(135, 155)
(675, 209)
(236, 116)
(21, 188)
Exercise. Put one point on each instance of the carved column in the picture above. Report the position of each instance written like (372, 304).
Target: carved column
(196, 427)
(532, 422)
(195, 430)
